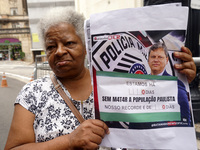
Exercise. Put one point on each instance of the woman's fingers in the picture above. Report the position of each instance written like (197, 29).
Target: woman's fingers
(187, 67)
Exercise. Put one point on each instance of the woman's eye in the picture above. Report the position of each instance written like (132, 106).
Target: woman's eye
(70, 43)
(50, 47)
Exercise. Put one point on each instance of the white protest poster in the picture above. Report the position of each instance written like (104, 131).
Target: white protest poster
(142, 111)
(137, 100)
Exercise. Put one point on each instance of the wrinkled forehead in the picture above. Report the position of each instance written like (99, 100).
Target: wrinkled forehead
(60, 27)
(60, 31)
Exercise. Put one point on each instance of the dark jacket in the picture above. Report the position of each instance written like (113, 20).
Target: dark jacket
(183, 100)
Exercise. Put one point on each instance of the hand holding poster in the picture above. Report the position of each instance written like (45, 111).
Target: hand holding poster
(137, 92)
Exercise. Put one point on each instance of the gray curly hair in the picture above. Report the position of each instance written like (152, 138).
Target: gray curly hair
(61, 15)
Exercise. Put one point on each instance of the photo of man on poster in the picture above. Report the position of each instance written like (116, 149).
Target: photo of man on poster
(158, 59)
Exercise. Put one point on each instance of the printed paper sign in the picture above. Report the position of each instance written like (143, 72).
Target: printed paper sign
(133, 99)
(35, 37)
(137, 92)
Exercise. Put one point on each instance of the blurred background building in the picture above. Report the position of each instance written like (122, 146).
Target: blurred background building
(15, 41)
(88, 7)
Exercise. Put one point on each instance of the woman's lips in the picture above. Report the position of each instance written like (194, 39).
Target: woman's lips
(62, 63)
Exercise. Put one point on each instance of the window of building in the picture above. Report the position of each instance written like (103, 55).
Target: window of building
(13, 11)
(15, 25)
(26, 24)
(13, 2)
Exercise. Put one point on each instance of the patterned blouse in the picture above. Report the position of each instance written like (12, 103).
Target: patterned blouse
(53, 117)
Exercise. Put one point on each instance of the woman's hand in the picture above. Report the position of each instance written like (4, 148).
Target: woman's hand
(188, 66)
(88, 135)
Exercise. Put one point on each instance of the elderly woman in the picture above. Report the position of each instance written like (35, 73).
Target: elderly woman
(42, 119)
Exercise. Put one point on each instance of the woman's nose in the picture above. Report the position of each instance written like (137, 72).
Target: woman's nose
(60, 50)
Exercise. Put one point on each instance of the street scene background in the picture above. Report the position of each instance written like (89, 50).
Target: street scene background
(18, 73)
(20, 44)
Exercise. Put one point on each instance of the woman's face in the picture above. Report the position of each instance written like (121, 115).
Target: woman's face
(65, 50)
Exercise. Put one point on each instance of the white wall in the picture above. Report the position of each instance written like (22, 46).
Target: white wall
(88, 7)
